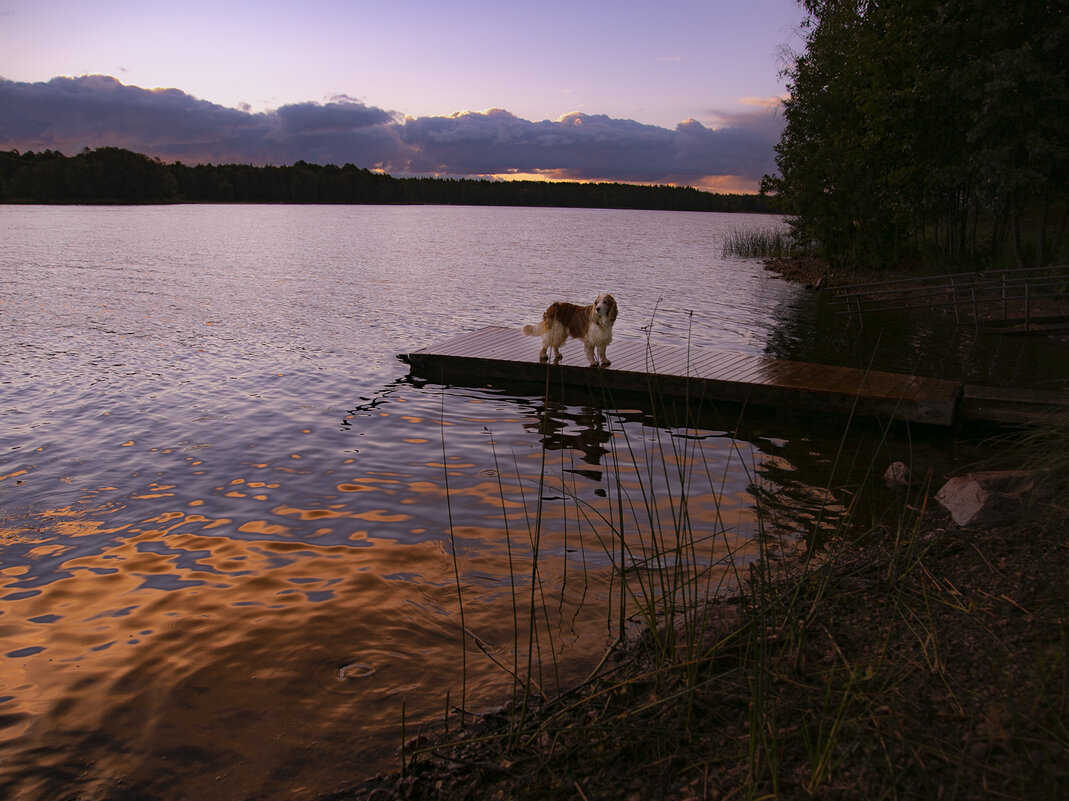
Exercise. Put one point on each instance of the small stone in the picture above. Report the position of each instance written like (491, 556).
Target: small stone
(898, 476)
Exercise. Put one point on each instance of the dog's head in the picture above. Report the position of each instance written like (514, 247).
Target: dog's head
(605, 307)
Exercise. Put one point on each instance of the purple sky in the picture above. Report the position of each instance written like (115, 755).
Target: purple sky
(667, 91)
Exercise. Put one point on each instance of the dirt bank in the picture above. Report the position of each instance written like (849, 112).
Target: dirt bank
(933, 668)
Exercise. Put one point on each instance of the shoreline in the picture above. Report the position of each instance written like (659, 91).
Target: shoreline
(923, 659)
(918, 673)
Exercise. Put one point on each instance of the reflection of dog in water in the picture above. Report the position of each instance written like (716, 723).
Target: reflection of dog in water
(583, 430)
(592, 324)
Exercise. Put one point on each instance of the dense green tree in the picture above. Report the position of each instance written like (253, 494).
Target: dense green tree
(920, 124)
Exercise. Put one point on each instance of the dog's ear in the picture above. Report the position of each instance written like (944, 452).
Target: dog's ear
(613, 310)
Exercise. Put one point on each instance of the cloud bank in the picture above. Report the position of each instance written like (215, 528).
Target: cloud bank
(67, 114)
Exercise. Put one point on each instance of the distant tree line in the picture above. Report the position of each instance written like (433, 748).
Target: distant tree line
(928, 129)
(114, 175)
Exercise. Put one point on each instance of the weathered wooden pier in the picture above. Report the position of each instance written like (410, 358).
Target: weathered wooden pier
(700, 374)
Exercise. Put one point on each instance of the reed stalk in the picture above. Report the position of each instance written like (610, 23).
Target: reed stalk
(457, 578)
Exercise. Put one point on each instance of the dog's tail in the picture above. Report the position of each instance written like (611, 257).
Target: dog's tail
(535, 330)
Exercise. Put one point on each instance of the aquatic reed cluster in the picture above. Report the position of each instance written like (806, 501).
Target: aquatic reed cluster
(769, 243)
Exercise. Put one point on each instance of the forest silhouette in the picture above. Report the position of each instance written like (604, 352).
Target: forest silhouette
(117, 176)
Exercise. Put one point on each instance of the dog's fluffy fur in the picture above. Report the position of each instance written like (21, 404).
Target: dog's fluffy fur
(592, 324)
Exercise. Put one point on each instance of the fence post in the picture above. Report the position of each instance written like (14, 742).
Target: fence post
(1027, 309)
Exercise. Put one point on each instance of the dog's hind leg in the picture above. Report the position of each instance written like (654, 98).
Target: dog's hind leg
(553, 340)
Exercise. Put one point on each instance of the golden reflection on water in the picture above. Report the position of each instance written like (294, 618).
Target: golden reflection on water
(152, 640)
(182, 635)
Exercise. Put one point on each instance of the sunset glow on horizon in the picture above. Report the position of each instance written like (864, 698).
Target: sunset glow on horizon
(365, 82)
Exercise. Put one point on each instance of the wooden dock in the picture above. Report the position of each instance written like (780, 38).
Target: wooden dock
(505, 354)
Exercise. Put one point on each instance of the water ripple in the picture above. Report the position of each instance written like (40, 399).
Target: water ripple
(229, 522)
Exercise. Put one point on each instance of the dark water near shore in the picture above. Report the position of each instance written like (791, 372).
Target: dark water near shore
(230, 525)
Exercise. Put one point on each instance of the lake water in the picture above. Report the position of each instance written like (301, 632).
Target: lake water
(231, 526)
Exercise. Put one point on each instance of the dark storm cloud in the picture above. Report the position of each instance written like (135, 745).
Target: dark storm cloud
(592, 147)
(577, 145)
(96, 110)
(347, 115)
(742, 144)
(68, 114)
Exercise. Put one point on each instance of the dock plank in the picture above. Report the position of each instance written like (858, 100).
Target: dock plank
(670, 361)
(725, 369)
(707, 361)
(641, 366)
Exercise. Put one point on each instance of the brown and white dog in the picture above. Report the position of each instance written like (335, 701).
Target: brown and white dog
(592, 324)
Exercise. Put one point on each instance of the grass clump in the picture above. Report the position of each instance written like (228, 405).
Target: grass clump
(916, 661)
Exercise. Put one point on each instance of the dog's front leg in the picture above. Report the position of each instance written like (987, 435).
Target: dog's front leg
(590, 354)
(602, 357)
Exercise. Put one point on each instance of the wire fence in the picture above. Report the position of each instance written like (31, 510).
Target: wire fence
(1026, 298)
